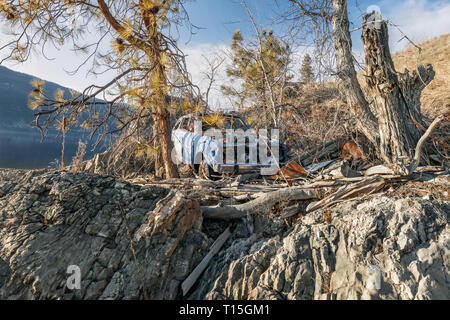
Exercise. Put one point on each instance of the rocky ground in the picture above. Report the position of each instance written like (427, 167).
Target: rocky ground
(142, 242)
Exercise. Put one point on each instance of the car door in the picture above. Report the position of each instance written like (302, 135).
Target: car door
(184, 139)
(178, 136)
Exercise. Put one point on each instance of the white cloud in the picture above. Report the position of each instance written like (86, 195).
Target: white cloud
(418, 19)
(196, 61)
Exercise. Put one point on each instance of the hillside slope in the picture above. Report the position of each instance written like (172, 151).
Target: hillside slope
(436, 96)
(14, 90)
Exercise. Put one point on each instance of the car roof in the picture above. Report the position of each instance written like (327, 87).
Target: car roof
(202, 114)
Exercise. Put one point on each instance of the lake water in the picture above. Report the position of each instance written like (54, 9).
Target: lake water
(23, 149)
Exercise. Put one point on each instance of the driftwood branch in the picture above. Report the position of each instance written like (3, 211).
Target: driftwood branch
(413, 166)
(367, 186)
(262, 204)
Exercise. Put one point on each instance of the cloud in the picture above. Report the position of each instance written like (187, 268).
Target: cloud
(418, 19)
(197, 63)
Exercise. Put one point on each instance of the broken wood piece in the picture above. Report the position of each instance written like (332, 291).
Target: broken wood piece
(261, 205)
(195, 274)
(313, 168)
(430, 169)
(244, 177)
(347, 192)
(378, 170)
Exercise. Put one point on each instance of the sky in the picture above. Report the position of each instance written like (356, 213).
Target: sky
(218, 19)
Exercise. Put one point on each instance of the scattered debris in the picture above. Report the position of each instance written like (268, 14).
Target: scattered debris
(298, 187)
(344, 171)
(364, 187)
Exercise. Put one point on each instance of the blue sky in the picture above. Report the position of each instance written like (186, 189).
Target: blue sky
(221, 18)
(218, 19)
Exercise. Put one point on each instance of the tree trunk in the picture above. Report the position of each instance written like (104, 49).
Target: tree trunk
(396, 128)
(160, 114)
(365, 119)
(159, 166)
(396, 98)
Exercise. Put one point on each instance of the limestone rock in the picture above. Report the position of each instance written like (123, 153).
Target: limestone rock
(380, 248)
(137, 242)
(50, 220)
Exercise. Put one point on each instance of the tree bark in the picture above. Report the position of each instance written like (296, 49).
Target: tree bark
(365, 119)
(160, 113)
(397, 126)
(396, 98)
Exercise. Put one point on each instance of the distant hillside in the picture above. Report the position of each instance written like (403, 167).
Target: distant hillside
(20, 143)
(14, 90)
(436, 96)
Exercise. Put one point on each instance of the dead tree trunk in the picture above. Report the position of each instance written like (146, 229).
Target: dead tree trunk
(397, 126)
(365, 119)
(396, 97)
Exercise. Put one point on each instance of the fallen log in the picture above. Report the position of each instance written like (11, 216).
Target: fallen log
(261, 205)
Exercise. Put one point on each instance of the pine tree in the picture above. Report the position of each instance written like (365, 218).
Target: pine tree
(149, 66)
(257, 67)
(306, 69)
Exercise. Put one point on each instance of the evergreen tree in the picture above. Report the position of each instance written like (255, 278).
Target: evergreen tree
(306, 70)
(256, 67)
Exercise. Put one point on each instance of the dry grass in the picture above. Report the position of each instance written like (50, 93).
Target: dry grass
(78, 159)
(436, 96)
(317, 116)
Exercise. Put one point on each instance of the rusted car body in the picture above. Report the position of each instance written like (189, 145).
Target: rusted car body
(225, 143)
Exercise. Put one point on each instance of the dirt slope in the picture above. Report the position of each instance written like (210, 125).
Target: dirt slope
(436, 96)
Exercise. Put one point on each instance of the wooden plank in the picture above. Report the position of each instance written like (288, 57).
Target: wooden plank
(195, 274)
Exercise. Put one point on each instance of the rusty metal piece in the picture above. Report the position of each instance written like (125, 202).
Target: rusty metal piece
(352, 151)
(291, 170)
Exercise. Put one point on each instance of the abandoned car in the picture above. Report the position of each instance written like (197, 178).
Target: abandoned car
(214, 143)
